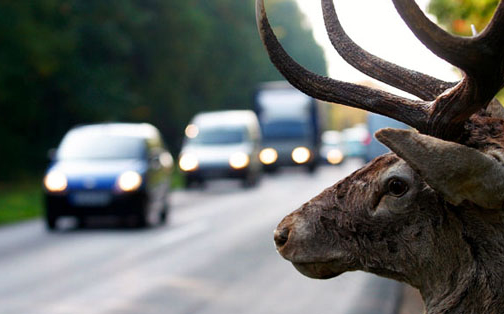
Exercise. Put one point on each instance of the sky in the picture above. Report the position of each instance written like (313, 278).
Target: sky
(376, 26)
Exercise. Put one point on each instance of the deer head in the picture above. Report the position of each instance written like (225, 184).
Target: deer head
(430, 213)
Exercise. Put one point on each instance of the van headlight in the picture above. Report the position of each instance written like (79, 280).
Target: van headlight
(55, 181)
(300, 155)
(239, 160)
(129, 181)
(188, 162)
(334, 156)
(268, 156)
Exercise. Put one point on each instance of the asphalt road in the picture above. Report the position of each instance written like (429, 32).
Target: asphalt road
(215, 256)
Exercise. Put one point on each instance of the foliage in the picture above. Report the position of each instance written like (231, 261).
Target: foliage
(20, 202)
(68, 62)
(458, 15)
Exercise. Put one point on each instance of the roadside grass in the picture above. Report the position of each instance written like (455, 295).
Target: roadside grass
(20, 201)
(177, 180)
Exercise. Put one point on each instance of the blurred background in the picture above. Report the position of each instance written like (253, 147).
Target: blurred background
(122, 115)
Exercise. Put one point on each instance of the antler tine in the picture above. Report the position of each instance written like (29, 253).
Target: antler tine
(493, 31)
(491, 43)
(458, 51)
(413, 82)
(470, 54)
(481, 58)
(411, 112)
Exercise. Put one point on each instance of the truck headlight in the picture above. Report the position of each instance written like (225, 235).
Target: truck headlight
(55, 181)
(129, 181)
(268, 156)
(188, 162)
(239, 160)
(300, 155)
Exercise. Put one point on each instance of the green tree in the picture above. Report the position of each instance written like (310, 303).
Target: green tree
(67, 62)
(458, 15)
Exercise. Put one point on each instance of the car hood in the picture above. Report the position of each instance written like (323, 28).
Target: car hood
(99, 168)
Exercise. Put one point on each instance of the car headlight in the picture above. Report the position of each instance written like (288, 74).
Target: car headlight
(55, 181)
(129, 181)
(268, 156)
(301, 155)
(188, 162)
(239, 160)
(334, 156)
(166, 160)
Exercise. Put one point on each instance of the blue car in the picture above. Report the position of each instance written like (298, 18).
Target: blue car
(108, 169)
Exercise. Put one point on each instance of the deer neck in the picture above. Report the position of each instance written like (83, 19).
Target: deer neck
(472, 277)
(472, 295)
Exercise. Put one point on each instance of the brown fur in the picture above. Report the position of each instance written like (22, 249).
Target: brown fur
(483, 132)
(453, 254)
(435, 218)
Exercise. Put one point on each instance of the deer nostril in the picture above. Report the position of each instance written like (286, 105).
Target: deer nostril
(281, 236)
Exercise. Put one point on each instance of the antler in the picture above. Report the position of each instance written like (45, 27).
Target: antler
(411, 112)
(469, 54)
(451, 106)
(481, 58)
(423, 86)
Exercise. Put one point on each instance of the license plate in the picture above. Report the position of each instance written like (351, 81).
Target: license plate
(91, 198)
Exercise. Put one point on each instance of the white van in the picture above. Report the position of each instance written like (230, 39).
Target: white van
(221, 144)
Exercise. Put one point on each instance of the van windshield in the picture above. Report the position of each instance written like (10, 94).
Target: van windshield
(220, 136)
(101, 146)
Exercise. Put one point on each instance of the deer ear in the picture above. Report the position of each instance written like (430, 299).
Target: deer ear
(457, 171)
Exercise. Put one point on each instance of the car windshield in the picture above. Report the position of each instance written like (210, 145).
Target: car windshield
(285, 129)
(220, 136)
(100, 146)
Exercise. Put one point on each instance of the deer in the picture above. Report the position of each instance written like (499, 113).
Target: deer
(430, 213)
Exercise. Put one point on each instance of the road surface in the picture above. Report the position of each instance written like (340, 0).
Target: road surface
(215, 256)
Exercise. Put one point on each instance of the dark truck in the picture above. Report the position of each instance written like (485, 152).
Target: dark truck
(376, 122)
(290, 126)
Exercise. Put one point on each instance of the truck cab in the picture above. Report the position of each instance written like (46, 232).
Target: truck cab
(290, 126)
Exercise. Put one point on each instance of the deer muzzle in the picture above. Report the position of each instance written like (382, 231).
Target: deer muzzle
(295, 242)
(281, 236)
(297, 239)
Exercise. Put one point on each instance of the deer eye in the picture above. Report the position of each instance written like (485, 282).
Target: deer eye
(397, 187)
